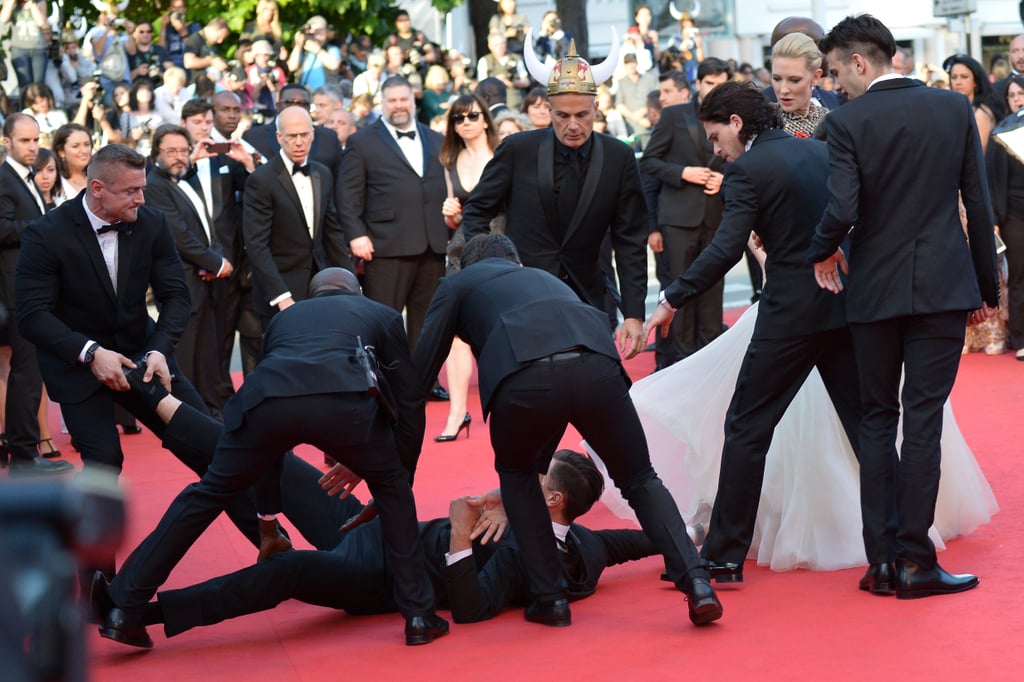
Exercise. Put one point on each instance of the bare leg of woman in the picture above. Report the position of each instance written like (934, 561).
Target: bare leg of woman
(459, 369)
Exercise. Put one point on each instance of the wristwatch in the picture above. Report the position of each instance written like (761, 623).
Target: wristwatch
(90, 353)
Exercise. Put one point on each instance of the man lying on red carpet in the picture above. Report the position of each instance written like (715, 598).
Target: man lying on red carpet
(472, 576)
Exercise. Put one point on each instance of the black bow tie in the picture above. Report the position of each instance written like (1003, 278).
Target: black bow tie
(116, 227)
(411, 134)
(304, 169)
(31, 174)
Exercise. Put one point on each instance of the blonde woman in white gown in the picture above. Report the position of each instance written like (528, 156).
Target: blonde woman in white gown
(809, 512)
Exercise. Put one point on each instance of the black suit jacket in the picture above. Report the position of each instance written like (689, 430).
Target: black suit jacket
(677, 141)
(520, 180)
(778, 189)
(309, 348)
(386, 200)
(908, 254)
(479, 586)
(66, 298)
(227, 182)
(18, 208)
(510, 316)
(282, 255)
(194, 247)
(326, 148)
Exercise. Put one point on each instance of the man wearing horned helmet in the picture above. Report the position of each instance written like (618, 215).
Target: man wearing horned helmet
(564, 189)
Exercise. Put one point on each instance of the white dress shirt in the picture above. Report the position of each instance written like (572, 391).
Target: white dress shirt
(23, 172)
(413, 149)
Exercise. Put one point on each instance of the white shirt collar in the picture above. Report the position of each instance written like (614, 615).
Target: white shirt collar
(561, 532)
(885, 77)
(394, 131)
(21, 170)
(289, 164)
(750, 143)
(94, 221)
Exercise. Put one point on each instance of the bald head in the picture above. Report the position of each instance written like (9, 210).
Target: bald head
(334, 279)
(805, 25)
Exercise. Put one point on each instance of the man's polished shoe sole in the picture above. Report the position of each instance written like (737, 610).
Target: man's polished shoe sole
(555, 614)
(703, 603)
(115, 627)
(424, 629)
(726, 572)
(879, 579)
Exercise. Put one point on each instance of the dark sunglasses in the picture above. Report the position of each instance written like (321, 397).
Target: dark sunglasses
(473, 116)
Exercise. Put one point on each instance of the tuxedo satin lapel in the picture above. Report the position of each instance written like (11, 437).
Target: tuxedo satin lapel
(318, 205)
(546, 177)
(12, 177)
(186, 207)
(91, 248)
(590, 184)
(392, 143)
(289, 188)
(216, 185)
(421, 133)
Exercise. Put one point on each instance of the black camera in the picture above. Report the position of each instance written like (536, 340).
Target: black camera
(178, 16)
(97, 97)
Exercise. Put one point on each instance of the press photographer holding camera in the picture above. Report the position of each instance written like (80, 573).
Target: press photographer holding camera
(174, 29)
(263, 78)
(202, 56)
(313, 61)
(147, 59)
(508, 68)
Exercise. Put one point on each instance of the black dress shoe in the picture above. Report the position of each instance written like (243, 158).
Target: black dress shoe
(120, 627)
(424, 629)
(879, 579)
(132, 429)
(438, 394)
(703, 602)
(913, 581)
(100, 604)
(726, 572)
(37, 466)
(554, 613)
(150, 393)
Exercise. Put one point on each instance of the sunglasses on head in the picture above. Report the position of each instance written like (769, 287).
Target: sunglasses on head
(473, 116)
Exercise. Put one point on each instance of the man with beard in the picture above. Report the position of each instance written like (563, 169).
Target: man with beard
(393, 184)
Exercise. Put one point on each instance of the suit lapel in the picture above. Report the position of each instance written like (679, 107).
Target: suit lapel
(22, 187)
(391, 142)
(289, 189)
(700, 142)
(546, 177)
(589, 185)
(421, 133)
(185, 205)
(318, 205)
(216, 186)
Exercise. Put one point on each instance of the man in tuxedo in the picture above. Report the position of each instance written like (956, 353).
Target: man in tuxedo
(912, 285)
(324, 147)
(20, 205)
(564, 189)
(311, 386)
(170, 190)
(680, 157)
(81, 284)
(393, 184)
(475, 578)
(235, 311)
(533, 385)
(289, 220)
(777, 188)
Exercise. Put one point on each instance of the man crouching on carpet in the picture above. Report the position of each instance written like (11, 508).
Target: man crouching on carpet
(316, 383)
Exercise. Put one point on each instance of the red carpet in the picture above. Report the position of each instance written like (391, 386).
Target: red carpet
(785, 626)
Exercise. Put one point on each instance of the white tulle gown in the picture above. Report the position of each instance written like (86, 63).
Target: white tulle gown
(809, 514)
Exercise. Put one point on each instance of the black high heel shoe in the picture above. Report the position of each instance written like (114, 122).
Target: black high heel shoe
(48, 454)
(464, 425)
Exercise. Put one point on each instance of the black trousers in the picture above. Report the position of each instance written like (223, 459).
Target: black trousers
(198, 352)
(24, 391)
(772, 372)
(348, 573)
(343, 425)
(530, 412)
(1012, 233)
(406, 283)
(898, 491)
(699, 322)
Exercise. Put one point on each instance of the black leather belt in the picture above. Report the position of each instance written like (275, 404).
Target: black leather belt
(571, 354)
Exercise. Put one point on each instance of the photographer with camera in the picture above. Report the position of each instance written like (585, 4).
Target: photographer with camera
(553, 43)
(264, 78)
(312, 60)
(75, 69)
(147, 59)
(202, 57)
(110, 41)
(174, 29)
(95, 114)
(30, 37)
(508, 68)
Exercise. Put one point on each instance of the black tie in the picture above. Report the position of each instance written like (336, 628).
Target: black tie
(411, 134)
(304, 169)
(568, 191)
(31, 174)
(116, 227)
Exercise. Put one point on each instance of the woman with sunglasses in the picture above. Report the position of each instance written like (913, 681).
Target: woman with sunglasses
(469, 144)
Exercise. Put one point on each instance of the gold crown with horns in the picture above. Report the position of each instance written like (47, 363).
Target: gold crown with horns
(572, 74)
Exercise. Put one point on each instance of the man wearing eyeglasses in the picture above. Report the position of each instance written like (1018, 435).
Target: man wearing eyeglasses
(145, 58)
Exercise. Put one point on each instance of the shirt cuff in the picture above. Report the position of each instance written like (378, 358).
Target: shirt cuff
(275, 301)
(81, 355)
(223, 264)
(664, 301)
(450, 558)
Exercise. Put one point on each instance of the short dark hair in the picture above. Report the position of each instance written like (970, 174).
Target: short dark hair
(395, 82)
(162, 132)
(298, 87)
(1017, 80)
(195, 107)
(492, 90)
(537, 94)
(747, 101)
(984, 93)
(114, 157)
(13, 119)
(488, 246)
(578, 479)
(862, 34)
(133, 92)
(678, 78)
(712, 66)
